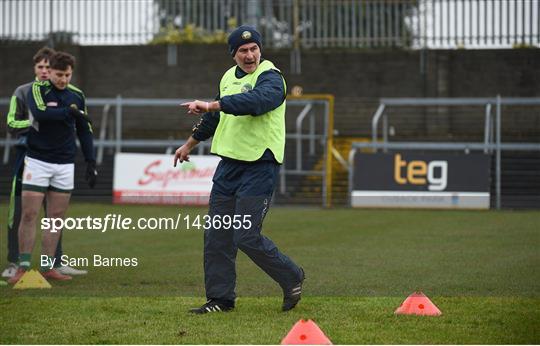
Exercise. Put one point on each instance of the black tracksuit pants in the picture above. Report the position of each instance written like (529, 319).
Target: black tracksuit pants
(243, 189)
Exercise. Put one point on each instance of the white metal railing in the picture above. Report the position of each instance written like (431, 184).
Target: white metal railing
(283, 23)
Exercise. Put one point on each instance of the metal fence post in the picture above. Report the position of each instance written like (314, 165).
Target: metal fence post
(385, 131)
(103, 132)
(312, 134)
(7, 148)
(51, 29)
(299, 121)
(329, 130)
(487, 125)
(352, 153)
(118, 124)
(498, 154)
(375, 121)
(252, 12)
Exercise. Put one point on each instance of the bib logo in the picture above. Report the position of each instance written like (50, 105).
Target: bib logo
(246, 87)
(421, 173)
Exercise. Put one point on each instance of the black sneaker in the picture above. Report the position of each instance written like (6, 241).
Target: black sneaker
(211, 306)
(293, 296)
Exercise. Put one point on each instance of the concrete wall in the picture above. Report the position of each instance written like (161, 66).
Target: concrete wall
(356, 78)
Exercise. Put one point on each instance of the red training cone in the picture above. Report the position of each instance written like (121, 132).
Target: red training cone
(418, 304)
(306, 333)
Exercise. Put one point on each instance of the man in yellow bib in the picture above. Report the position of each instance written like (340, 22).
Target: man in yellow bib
(247, 122)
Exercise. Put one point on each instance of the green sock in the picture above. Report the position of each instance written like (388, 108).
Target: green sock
(47, 267)
(24, 260)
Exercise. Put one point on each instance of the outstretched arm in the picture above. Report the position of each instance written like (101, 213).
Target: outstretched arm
(269, 92)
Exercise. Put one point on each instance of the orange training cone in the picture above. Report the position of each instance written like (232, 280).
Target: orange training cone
(306, 333)
(418, 304)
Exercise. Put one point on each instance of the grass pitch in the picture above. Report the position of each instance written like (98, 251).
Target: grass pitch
(480, 268)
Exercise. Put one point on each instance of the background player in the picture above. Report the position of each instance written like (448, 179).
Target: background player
(18, 125)
(57, 112)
